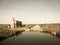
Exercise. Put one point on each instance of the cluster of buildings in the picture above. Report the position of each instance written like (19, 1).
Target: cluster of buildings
(15, 23)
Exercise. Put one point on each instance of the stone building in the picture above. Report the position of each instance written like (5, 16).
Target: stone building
(16, 23)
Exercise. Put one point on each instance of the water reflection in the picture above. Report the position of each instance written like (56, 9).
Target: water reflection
(57, 35)
(15, 35)
(32, 38)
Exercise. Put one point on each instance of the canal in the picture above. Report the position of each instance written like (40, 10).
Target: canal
(31, 38)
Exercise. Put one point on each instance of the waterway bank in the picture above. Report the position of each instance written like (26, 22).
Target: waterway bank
(32, 38)
(53, 29)
(6, 33)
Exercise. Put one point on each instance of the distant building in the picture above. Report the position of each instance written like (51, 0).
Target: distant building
(18, 23)
(36, 28)
(15, 23)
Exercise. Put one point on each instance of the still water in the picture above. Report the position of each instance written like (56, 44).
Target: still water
(32, 38)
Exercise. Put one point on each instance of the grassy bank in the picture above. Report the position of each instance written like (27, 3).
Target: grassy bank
(4, 34)
(50, 27)
(47, 28)
(55, 27)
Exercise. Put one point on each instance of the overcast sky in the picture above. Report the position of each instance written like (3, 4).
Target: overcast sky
(30, 11)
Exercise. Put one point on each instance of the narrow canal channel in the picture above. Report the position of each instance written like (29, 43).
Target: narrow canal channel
(32, 38)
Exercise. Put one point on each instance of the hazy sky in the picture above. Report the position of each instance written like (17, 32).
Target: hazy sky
(30, 11)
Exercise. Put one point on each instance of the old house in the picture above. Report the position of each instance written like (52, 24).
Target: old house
(16, 23)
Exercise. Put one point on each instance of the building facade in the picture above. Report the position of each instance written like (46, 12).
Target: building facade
(15, 23)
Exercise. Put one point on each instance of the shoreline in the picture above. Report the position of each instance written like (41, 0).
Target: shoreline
(53, 29)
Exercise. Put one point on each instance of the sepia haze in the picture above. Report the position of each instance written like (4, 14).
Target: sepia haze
(30, 11)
